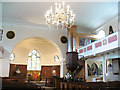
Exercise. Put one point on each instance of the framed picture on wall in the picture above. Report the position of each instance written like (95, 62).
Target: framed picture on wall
(82, 41)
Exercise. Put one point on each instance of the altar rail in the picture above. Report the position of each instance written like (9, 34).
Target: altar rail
(105, 44)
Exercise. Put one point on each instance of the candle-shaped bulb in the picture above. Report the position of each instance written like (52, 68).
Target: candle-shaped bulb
(63, 4)
(71, 13)
(56, 4)
(51, 9)
(59, 5)
(68, 8)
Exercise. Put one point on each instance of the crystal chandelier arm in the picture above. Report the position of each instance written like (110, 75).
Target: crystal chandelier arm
(60, 17)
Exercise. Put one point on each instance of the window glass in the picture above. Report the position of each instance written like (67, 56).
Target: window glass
(34, 61)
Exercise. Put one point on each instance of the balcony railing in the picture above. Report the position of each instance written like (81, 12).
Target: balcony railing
(107, 43)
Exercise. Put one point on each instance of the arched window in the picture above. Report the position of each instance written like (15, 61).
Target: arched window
(89, 70)
(100, 70)
(94, 69)
(110, 30)
(34, 61)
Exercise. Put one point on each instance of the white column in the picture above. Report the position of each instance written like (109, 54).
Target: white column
(62, 69)
(86, 71)
(0, 15)
(5, 61)
(119, 15)
(69, 42)
(74, 44)
(104, 69)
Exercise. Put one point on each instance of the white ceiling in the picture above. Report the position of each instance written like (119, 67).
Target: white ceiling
(89, 15)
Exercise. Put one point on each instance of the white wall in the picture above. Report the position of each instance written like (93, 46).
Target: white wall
(85, 30)
(97, 60)
(119, 15)
(25, 30)
(0, 42)
(113, 22)
(0, 15)
(112, 77)
(4, 64)
(46, 49)
(112, 55)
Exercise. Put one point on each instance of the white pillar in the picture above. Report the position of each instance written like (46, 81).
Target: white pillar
(86, 71)
(62, 69)
(104, 69)
(5, 64)
(0, 15)
(74, 44)
(69, 42)
(118, 16)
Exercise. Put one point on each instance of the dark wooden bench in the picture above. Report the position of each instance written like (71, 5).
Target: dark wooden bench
(90, 85)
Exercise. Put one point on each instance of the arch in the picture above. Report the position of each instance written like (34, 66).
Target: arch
(38, 40)
(89, 69)
(110, 30)
(58, 47)
(94, 69)
(100, 70)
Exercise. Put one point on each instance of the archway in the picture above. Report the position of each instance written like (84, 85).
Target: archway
(89, 70)
(94, 69)
(47, 50)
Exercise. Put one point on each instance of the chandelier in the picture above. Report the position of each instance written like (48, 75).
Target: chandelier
(60, 16)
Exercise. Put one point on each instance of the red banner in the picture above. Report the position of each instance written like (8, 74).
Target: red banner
(89, 48)
(81, 51)
(112, 39)
(98, 44)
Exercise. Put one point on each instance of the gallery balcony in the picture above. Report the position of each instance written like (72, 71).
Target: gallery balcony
(106, 44)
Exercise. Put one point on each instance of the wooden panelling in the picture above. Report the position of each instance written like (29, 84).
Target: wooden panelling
(12, 68)
(47, 71)
(22, 68)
